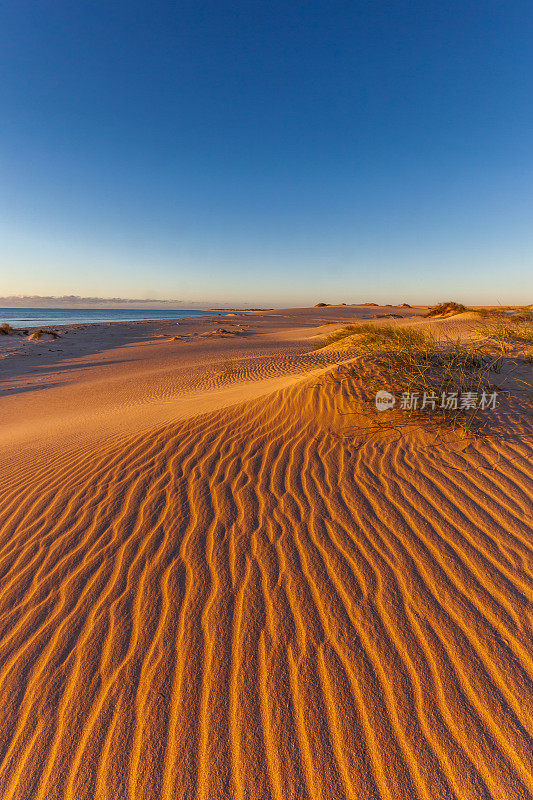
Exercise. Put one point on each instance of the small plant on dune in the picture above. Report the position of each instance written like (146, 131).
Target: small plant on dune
(512, 330)
(440, 375)
(39, 332)
(6, 329)
(448, 309)
(523, 315)
(427, 375)
(520, 334)
(440, 369)
(485, 313)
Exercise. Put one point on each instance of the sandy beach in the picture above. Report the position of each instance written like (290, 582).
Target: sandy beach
(212, 588)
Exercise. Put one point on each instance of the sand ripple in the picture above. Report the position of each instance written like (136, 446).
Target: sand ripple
(246, 605)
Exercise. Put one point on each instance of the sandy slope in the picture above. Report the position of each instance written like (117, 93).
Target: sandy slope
(251, 603)
(97, 380)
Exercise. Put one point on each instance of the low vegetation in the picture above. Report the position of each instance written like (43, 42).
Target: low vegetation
(448, 309)
(372, 337)
(449, 383)
(524, 315)
(6, 329)
(443, 378)
(514, 329)
(40, 332)
(485, 313)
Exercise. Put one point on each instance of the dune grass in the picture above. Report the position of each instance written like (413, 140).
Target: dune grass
(6, 329)
(523, 315)
(486, 312)
(448, 309)
(431, 379)
(450, 380)
(518, 328)
(372, 337)
(39, 332)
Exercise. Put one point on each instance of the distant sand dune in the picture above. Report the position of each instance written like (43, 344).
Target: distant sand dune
(248, 605)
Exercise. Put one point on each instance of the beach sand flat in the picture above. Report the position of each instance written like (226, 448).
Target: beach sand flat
(211, 588)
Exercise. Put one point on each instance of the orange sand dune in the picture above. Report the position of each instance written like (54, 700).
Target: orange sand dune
(250, 603)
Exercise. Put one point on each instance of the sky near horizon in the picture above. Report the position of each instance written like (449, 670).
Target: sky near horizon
(269, 153)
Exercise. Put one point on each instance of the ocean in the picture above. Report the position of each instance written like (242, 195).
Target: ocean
(39, 317)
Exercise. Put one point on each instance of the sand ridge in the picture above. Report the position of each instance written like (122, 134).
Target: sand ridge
(250, 603)
(98, 379)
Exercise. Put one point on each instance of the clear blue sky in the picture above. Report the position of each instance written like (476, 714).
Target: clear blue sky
(268, 152)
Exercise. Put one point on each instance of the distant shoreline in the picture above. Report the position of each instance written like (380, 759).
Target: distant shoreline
(45, 317)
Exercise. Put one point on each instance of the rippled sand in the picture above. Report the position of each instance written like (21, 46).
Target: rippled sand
(249, 602)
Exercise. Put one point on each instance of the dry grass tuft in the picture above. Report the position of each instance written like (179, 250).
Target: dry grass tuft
(485, 312)
(6, 329)
(440, 378)
(373, 337)
(448, 309)
(514, 329)
(523, 315)
(432, 381)
(40, 332)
